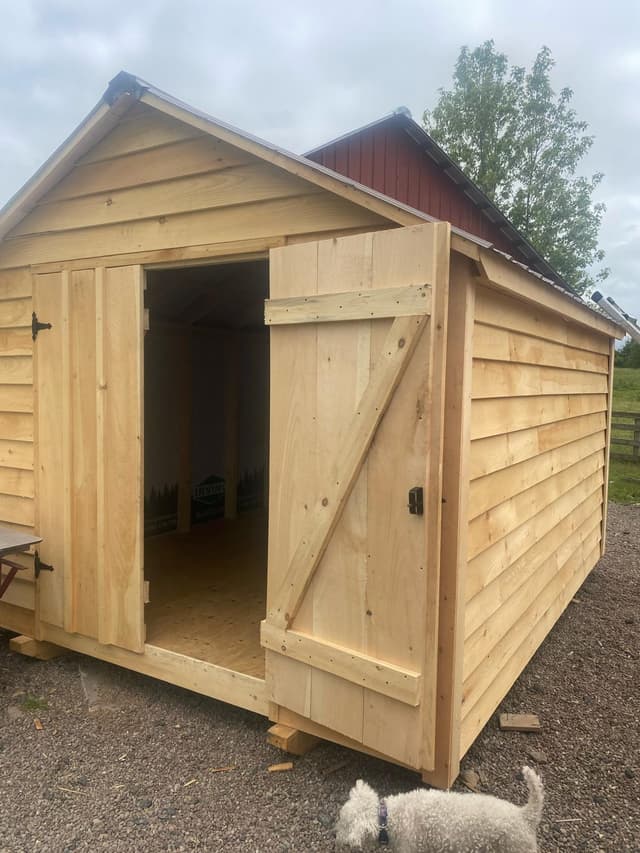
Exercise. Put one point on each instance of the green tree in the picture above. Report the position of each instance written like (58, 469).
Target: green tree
(522, 145)
(629, 355)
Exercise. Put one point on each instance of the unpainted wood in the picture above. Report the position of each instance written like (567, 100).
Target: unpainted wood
(200, 676)
(81, 596)
(345, 354)
(499, 344)
(342, 472)
(496, 627)
(455, 493)
(293, 741)
(491, 417)
(120, 587)
(607, 452)
(16, 426)
(505, 379)
(17, 454)
(502, 312)
(252, 221)
(31, 648)
(342, 372)
(476, 717)
(370, 201)
(50, 459)
(16, 398)
(208, 592)
(15, 313)
(14, 481)
(512, 279)
(18, 619)
(16, 342)
(347, 664)
(202, 255)
(145, 131)
(364, 305)
(483, 677)
(498, 522)
(220, 188)
(520, 723)
(497, 452)
(16, 370)
(15, 284)
(173, 160)
(16, 509)
(495, 488)
(487, 599)
(496, 557)
(20, 593)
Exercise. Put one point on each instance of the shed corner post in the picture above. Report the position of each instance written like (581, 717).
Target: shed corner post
(454, 525)
(607, 449)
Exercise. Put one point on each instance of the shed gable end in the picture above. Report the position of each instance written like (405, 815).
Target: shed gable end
(155, 182)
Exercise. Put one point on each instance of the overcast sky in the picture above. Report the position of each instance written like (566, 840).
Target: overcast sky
(300, 73)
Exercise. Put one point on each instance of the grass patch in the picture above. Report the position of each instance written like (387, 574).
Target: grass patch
(33, 703)
(624, 477)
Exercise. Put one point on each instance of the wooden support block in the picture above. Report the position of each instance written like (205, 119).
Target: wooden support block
(520, 723)
(291, 740)
(35, 648)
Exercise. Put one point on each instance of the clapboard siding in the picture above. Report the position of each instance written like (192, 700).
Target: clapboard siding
(537, 461)
(155, 184)
(17, 505)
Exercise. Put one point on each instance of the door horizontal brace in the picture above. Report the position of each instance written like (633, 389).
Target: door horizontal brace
(408, 301)
(398, 683)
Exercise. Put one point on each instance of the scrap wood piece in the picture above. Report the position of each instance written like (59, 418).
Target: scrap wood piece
(38, 724)
(222, 769)
(520, 723)
(279, 768)
(291, 740)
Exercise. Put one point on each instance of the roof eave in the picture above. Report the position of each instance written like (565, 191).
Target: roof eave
(102, 118)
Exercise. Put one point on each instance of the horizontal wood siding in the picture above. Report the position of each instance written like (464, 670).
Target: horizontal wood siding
(539, 404)
(16, 425)
(154, 183)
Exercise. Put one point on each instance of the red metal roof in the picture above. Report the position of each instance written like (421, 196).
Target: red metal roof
(397, 157)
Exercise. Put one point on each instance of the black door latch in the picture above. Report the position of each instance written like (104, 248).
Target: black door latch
(416, 500)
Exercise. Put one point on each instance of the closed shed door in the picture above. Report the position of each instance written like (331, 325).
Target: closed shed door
(88, 378)
(351, 618)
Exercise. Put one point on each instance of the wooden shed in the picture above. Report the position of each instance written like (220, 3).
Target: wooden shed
(289, 443)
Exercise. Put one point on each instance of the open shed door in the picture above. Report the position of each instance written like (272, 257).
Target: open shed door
(357, 339)
(89, 398)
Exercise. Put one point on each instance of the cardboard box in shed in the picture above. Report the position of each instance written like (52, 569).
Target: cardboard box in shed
(407, 459)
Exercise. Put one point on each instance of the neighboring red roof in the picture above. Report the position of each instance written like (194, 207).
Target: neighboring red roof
(397, 157)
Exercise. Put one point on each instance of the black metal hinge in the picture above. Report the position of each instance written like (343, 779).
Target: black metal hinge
(37, 326)
(39, 566)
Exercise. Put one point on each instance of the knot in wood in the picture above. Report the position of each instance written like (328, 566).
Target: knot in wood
(325, 501)
(401, 343)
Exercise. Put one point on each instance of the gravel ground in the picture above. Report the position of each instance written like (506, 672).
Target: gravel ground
(125, 763)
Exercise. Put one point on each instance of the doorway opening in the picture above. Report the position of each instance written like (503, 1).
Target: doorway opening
(206, 444)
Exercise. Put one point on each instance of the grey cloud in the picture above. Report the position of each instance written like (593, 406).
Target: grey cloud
(301, 73)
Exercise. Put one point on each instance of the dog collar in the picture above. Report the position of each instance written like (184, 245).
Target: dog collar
(383, 833)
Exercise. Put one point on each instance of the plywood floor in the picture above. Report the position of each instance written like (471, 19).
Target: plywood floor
(208, 592)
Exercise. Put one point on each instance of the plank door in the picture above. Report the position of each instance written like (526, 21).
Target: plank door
(356, 422)
(89, 393)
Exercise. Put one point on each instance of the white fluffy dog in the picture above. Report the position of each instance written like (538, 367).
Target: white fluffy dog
(425, 821)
